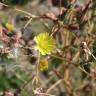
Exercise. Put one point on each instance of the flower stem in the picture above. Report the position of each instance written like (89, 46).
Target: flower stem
(37, 71)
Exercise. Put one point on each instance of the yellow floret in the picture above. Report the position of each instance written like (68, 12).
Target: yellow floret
(45, 43)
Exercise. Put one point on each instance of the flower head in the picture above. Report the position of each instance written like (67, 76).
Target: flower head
(43, 64)
(44, 43)
(9, 26)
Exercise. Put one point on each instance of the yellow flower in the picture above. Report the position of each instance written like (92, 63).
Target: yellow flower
(9, 26)
(43, 64)
(44, 43)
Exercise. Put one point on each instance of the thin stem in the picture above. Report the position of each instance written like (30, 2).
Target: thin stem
(43, 94)
(27, 13)
(90, 53)
(61, 58)
(84, 71)
(37, 70)
(57, 57)
(29, 21)
(54, 85)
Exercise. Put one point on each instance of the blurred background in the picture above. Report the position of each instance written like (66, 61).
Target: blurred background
(17, 69)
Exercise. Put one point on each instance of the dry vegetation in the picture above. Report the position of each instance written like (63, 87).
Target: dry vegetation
(48, 48)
